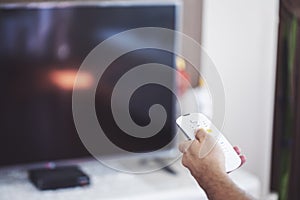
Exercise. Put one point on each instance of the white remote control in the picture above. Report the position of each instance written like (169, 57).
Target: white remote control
(189, 123)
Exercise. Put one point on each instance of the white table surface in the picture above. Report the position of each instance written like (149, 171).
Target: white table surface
(111, 185)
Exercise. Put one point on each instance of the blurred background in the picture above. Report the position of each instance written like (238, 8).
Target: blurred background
(254, 45)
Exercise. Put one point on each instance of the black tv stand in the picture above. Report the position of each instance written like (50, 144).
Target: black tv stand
(167, 168)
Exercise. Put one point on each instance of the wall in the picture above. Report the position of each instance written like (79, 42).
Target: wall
(241, 38)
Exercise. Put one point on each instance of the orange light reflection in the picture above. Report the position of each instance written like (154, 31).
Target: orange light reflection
(65, 79)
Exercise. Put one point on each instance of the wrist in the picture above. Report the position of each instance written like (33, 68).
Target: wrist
(211, 180)
(219, 185)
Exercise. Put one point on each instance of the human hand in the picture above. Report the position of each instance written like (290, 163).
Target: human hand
(205, 158)
(209, 168)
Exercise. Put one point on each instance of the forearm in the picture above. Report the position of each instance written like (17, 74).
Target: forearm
(222, 187)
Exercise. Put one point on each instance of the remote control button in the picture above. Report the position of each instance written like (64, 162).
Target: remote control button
(208, 130)
(193, 122)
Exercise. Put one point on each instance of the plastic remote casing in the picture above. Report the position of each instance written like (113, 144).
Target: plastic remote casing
(189, 123)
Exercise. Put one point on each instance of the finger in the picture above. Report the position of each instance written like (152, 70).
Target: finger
(237, 150)
(243, 159)
(183, 146)
(200, 135)
(195, 147)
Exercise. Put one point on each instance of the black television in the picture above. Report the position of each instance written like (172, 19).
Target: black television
(42, 45)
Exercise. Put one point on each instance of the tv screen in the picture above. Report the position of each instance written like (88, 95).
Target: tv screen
(42, 47)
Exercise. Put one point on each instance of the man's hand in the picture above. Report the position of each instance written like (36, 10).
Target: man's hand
(208, 168)
(200, 165)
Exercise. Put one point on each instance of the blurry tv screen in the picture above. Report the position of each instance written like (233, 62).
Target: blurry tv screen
(41, 48)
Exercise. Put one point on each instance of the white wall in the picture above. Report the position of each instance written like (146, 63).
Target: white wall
(241, 38)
